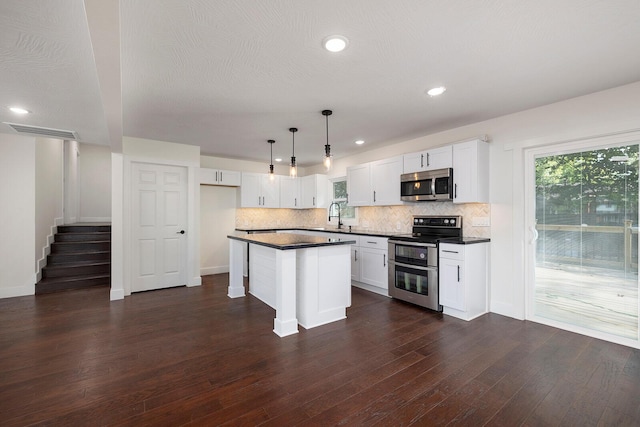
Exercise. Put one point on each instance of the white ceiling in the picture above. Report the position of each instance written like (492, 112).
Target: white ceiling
(227, 74)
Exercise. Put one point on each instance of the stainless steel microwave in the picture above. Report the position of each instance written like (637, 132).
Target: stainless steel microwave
(435, 184)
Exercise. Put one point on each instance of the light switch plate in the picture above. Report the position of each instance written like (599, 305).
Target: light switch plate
(481, 221)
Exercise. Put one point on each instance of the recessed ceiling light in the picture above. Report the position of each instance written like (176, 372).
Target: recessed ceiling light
(335, 43)
(360, 142)
(278, 159)
(436, 91)
(19, 110)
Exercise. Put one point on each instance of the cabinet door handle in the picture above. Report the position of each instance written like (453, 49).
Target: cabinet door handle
(449, 252)
(427, 159)
(220, 176)
(458, 273)
(355, 255)
(216, 176)
(347, 198)
(421, 160)
(259, 201)
(455, 191)
(384, 260)
(314, 201)
(373, 243)
(374, 197)
(295, 201)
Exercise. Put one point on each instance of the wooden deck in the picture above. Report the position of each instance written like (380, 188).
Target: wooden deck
(598, 299)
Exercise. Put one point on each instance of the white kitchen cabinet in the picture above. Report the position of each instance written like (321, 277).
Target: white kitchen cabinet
(356, 255)
(374, 267)
(463, 279)
(290, 192)
(219, 177)
(375, 183)
(435, 158)
(259, 191)
(471, 172)
(385, 181)
(314, 191)
(373, 260)
(359, 185)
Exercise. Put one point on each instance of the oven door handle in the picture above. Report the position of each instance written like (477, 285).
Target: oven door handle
(415, 267)
(403, 243)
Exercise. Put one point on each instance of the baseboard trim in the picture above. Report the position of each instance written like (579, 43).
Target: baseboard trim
(46, 250)
(20, 291)
(195, 281)
(205, 271)
(116, 294)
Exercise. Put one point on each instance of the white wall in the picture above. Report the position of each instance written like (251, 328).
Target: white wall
(611, 111)
(17, 215)
(49, 171)
(247, 166)
(217, 220)
(94, 181)
(71, 187)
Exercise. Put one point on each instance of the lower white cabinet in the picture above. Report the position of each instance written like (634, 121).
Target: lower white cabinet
(356, 257)
(373, 267)
(463, 279)
(370, 263)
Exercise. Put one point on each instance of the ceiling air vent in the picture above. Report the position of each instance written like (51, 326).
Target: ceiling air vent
(36, 130)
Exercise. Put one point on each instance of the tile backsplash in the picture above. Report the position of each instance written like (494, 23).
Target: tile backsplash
(375, 218)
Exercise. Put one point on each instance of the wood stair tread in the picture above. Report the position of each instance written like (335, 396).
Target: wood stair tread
(79, 258)
(77, 263)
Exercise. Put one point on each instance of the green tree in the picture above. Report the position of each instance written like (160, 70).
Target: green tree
(575, 184)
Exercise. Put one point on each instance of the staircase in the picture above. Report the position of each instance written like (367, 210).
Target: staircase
(80, 257)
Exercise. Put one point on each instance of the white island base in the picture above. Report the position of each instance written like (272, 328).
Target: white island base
(307, 286)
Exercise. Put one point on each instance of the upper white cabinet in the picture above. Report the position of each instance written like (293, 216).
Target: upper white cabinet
(259, 191)
(314, 191)
(385, 181)
(290, 192)
(436, 158)
(471, 172)
(375, 184)
(359, 185)
(219, 177)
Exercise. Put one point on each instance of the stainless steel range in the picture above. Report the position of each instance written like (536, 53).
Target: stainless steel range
(413, 259)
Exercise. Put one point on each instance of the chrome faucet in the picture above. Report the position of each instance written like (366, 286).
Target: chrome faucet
(333, 216)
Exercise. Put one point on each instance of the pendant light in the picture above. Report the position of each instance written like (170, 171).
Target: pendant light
(293, 171)
(272, 177)
(327, 147)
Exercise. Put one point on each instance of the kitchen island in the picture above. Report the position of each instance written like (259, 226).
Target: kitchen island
(306, 279)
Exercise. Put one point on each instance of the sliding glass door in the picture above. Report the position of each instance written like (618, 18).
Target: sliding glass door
(584, 240)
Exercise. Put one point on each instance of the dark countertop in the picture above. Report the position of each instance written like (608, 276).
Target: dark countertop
(466, 240)
(286, 241)
(361, 232)
(355, 231)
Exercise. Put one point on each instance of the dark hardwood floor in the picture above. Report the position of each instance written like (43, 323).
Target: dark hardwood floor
(192, 356)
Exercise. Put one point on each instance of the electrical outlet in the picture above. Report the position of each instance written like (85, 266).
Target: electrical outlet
(481, 221)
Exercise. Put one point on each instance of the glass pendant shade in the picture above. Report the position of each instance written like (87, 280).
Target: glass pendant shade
(293, 170)
(272, 177)
(327, 148)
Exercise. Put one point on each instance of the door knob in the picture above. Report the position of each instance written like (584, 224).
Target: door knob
(180, 232)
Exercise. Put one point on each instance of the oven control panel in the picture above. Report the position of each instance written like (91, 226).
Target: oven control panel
(437, 221)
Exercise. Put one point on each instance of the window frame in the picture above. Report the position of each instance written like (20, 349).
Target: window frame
(334, 220)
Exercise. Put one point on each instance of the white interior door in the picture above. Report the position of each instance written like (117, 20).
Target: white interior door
(159, 218)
